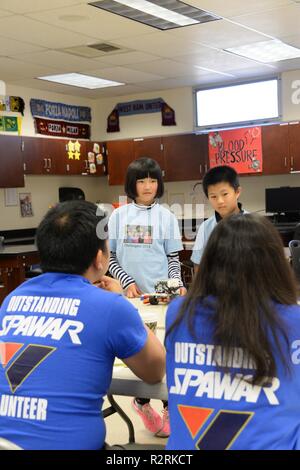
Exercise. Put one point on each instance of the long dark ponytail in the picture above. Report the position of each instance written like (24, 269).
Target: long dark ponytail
(244, 269)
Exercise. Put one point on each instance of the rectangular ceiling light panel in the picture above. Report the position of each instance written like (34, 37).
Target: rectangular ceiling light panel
(266, 51)
(160, 14)
(80, 80)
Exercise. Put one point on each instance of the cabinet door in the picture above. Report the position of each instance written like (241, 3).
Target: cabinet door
(11, 163)
(186, 157)
(150, 147)
(72, 158)
(42, 156)
(275, 149)
(294, 140)
(119, 154)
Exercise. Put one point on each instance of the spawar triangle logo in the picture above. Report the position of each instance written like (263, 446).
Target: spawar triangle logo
(194, 417)
(18, 368)
(221, 432)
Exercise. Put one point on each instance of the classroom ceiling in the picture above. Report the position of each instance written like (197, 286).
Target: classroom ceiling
(42, 37)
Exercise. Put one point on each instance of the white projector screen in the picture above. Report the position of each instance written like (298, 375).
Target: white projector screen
(232, 104)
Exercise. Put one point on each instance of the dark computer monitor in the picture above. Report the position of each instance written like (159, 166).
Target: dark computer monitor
(284, 199)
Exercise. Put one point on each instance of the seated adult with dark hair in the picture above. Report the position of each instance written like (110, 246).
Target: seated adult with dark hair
(60, 335)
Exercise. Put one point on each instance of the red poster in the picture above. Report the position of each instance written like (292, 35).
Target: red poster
(239, 148)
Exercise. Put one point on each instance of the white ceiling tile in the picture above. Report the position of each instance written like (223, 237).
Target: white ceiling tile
(59, 60)
(15, 69)
(168, 68)
(92, 21)
(26, 6)
(123, 74)
(220, 34)
(231, 8)
(126, 58)
(277, 23)
(9, 47)
(4, 13)
(292, 40)
(174, 82)
(219, 61)
(19, 27)
(166, 44)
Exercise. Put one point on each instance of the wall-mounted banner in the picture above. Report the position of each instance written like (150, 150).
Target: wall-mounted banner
(13, 104)
(10, 124)
(62, 128)
(239, 148)
(141, 107)
(60, 111)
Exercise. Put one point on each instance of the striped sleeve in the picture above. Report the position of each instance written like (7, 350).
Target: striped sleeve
(174, 270)
(118, 273)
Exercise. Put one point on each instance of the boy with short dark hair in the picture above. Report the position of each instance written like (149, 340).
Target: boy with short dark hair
(222, 189)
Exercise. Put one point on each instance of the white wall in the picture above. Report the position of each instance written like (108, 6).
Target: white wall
(142, 125)
(290, 83)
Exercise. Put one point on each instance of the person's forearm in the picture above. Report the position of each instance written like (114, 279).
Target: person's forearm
(174, 269)
(118, 272)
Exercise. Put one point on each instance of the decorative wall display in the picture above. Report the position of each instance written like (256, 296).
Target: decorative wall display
(140, 107)
(13, 104)
(239, 148)
(25, 204)
(10, 124)
(62, 128)
(60, 111)
(73, 150)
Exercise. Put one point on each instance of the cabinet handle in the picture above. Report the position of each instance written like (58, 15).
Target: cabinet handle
(68, 167)
(45, 164)
(292, 162)
(49, 160)
(24, 166)
(163, 173)
(86, 164)
(205, 167)
(200, 169)
(285, 161)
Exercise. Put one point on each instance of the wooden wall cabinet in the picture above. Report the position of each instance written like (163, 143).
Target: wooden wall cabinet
(275, 149)
(11, 163)
(294, 146)
(185, 156)
(281, 149)
(181, 157)
(42, 156)
(120, 153)
(50, 156)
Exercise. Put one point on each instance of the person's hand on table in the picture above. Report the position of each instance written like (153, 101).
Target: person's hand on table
(133, 291)
(110, 284)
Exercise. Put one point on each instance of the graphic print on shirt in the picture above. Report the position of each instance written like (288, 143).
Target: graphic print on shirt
(138, 234)
(20, 368)
(221, 432)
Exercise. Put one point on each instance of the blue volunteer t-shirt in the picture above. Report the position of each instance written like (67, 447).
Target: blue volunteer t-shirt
(213, 410)
(59, 336)
(142, 237)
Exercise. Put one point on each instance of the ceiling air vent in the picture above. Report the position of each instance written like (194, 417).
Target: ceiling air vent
(95, 50)
(105, 47)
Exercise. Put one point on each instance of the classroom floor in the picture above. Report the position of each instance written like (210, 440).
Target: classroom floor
(116, 428)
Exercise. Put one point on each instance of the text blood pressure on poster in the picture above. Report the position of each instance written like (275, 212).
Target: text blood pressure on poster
(239, 148)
